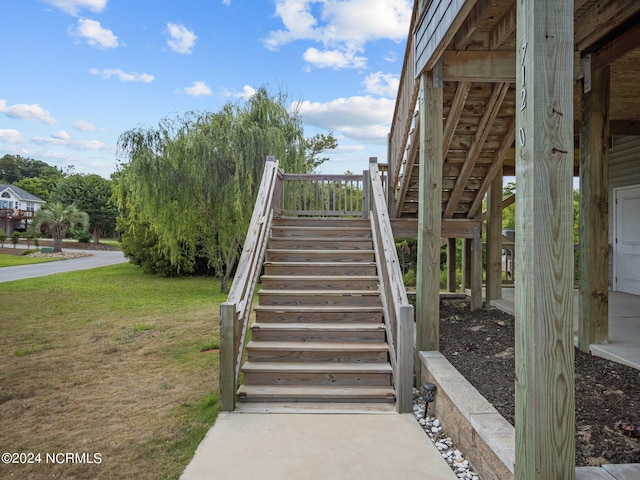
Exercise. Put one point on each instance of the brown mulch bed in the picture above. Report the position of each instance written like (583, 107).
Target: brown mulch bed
(480, 345)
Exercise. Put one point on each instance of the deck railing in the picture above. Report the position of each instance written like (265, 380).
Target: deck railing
(322, 195)
(234, 313)
(398, 313)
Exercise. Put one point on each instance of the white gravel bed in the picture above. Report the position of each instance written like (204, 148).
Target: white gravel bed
(443, 443)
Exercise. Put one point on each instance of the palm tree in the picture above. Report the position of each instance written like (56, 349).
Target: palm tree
(59, 218)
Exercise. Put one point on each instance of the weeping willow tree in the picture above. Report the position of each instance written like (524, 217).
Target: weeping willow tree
(187, 187)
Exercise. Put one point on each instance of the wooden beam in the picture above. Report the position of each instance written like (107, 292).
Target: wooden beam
(470, 25)
(476, 270)
(493, 106)
(493, 290)
(459, 99)
(616, 48)
(429, 211)
(495, 170)
(450, 228)
(594, 216)
(480, 66)
(438, 27)
(544, 387)
(502, 30)
(451, 265)
(600, 19)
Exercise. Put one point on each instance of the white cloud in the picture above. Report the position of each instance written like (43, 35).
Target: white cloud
(198, 89)
(337, 58)
(95, 34)
(84, 126)
(362, 118)
(9, 135)
(63, 139)
(383, 84)
(72, 6)
(22, 111)
(247, 92)
(181, 39)
(341, 26)
(122, 76)
(226, 2)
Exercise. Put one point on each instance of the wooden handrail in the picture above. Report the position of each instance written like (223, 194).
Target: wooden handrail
(234, 313)
(398, 313)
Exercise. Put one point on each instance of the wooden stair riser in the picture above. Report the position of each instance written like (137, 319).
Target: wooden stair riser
(326, 232)
(326, 282)
(297, 315)
(258, 354)
(263, 333)
(307, 268)
(359, 298)
(285, 393)
(274, 255)
(315, 222)
(319, 244)
(338, 379)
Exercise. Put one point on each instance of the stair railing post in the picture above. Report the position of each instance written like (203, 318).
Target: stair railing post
(404, 361)
(227, 356)
(366, 194)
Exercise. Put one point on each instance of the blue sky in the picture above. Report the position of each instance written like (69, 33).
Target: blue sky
(78, 73)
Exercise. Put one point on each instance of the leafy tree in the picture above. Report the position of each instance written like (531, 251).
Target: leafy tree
(14, 168)
(190, 184)
(59, 217)
(91, 194)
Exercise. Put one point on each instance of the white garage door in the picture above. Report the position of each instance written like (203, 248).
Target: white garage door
(627, 242)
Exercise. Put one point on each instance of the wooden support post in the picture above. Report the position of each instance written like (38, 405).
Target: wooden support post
(594, 208)
(467, 248)
(476, 270)
(404, 361)
(451, 265)
(227, 357)
(544, 387)
(429, 210)
(366, 194)
(493, 289)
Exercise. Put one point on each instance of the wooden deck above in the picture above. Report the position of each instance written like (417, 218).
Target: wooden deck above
(473, 44)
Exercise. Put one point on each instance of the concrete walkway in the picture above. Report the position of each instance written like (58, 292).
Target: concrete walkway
(317, 447)
(98, 258)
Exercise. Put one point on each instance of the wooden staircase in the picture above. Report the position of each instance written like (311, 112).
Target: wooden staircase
(319, 336)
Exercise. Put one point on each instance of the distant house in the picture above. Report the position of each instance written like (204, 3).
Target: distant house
(17, 208)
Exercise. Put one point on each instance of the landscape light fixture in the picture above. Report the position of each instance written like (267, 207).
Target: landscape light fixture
(428, 391)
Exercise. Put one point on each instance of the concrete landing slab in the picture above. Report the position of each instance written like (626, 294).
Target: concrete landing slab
(317, 447)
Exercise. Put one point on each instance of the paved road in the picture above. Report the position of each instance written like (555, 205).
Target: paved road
(98, 258)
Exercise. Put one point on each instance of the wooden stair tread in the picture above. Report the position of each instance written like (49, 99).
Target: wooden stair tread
(333, 293)
(327, 407)
(320, 277)
(317, 367)
(316, 392)
(319, 265)
(325, 326)
(318, 251)
(316, 309)
(319, 346)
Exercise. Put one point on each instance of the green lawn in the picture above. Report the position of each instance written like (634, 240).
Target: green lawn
(15, 260)
(109, 361)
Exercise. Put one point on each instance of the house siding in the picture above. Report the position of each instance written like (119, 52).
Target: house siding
(624, 171)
